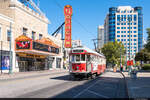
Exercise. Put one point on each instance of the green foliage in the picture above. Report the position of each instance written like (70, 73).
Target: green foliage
(112, 51)
(137, 63)
(143, 55)
(146, 67)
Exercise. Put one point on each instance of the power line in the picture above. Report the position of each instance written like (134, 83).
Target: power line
(83, 27)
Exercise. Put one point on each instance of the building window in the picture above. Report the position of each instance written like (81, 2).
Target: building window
(118, 35)
(124, 23)
(118, 27)
(121, 31)
(134, 23)
(8, 35)
(40, 36)
(118, 23)
(118, 39)
(124, 27)
(118, 31)
(25, 31)
(134, 27)
(124, 35)
(134, 35)
(121, 39)
(124, 31)
(134, 31)
(33, 35)
(134, 39)
(121, 23)
(121, 27)
(124, 39)
(121, 35)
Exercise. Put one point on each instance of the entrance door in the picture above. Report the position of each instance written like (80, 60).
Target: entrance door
(50, 62)
(58, 62)
(22, 66)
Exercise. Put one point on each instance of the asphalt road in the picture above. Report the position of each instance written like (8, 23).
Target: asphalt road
(107, 85)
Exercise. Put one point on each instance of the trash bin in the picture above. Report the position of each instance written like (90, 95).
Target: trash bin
(134, 74)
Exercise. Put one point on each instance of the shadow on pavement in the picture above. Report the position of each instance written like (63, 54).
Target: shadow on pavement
(68, 78)
(101, 87)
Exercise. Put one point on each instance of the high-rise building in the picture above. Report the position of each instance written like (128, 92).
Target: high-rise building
(76, 43)
(100, 37)
(122, 22)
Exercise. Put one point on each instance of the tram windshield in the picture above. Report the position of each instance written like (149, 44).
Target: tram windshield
(78, 57)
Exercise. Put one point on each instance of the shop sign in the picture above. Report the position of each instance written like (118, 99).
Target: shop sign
(23, 45)
(30, 55)
(46, 48)
(68, 15)
(5, 63)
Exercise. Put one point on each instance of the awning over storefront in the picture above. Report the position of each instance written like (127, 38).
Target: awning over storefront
(48, 42)
(23, 38)
(45, 46)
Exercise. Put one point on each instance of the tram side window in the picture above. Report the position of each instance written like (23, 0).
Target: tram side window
(77, 57)
(88, 57)
(82, 57)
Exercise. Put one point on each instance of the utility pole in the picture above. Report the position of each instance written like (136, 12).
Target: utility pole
(1, 55)
(10, 51)
(129, 19)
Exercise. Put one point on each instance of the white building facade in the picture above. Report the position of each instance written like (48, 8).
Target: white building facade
(100, 37)
(125, 22)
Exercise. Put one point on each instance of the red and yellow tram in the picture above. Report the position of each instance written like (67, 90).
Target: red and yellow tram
(85, 62)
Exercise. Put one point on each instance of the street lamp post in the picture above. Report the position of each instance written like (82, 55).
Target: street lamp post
(10, 52)
(129, 19)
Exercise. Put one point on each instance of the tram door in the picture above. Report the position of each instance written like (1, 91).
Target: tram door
(88, 63)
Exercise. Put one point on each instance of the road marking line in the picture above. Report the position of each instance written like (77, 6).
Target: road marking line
(98, 94)
(85, 90)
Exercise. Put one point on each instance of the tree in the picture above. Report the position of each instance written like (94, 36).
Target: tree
(143, 55)
(147, 46)
(112, 51)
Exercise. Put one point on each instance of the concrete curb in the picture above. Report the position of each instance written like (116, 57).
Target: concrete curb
(34, 75)
(126, 85)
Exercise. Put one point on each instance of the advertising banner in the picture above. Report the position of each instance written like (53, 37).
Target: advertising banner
(5, 62)
(68, 15)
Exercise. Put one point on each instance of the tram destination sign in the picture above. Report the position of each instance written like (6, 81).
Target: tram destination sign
(77, 51)
(46, 48)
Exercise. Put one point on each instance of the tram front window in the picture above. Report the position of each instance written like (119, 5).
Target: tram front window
(82, 57)
(77, 57)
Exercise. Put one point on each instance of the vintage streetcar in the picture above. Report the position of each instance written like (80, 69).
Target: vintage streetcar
(85, 62)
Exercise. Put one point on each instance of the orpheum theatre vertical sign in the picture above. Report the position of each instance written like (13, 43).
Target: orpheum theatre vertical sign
(68, 15)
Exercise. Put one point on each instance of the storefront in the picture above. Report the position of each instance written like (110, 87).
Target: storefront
(36, 55)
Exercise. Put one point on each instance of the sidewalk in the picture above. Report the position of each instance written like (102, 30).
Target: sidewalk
(139, 87)
(19, 75)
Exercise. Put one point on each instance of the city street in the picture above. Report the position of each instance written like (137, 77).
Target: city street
(107, 85)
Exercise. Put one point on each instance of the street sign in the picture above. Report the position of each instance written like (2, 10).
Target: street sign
(129, 62)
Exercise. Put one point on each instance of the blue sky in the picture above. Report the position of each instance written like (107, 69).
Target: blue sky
(87, 15)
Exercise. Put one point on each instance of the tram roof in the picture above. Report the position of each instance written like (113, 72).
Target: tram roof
(88, 50)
